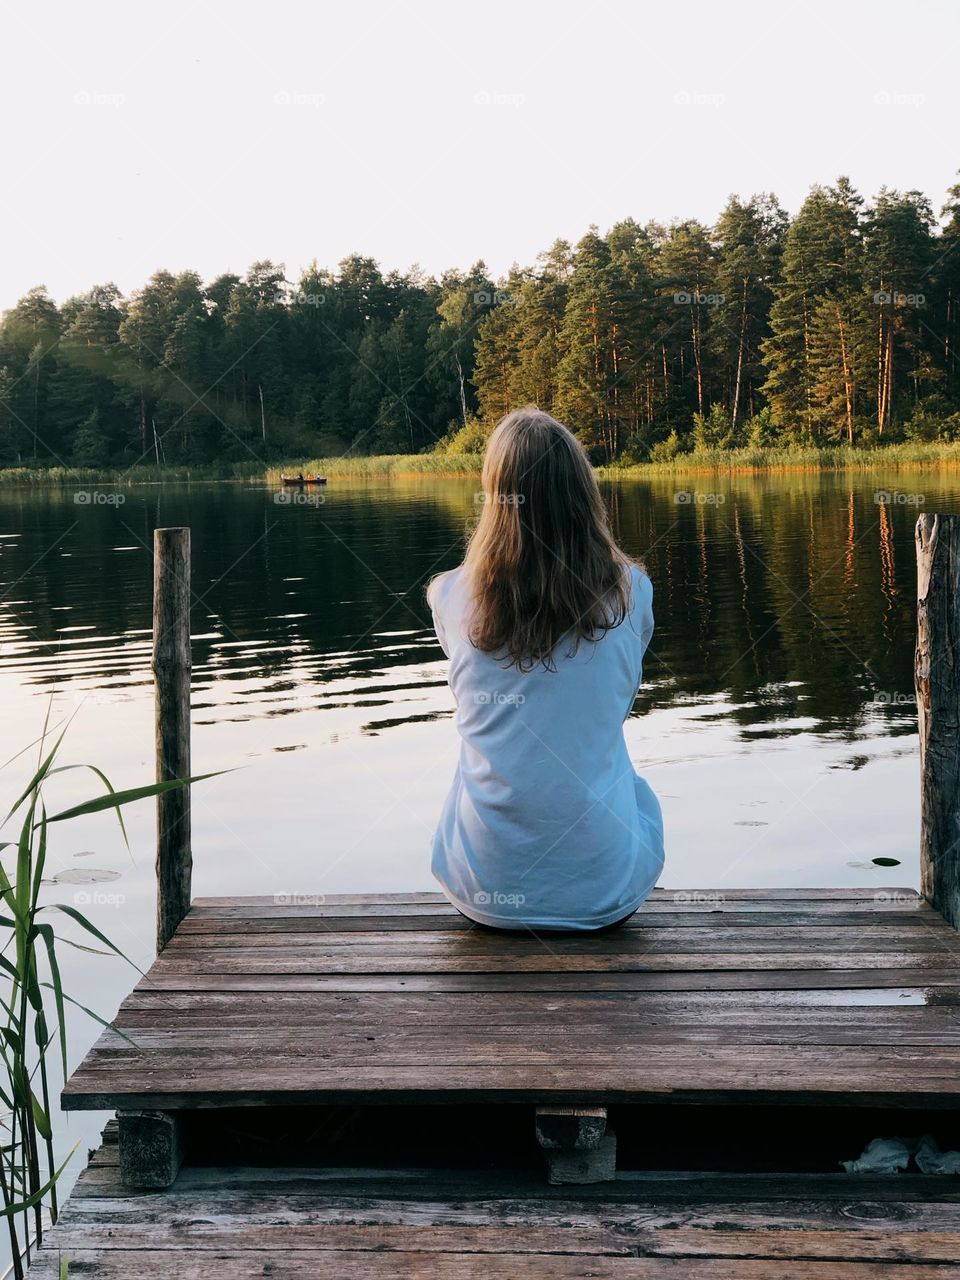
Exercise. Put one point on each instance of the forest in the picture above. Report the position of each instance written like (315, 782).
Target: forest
(841, 324)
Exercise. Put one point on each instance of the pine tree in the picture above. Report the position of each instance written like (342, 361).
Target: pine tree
(749, 240)
(818, 290)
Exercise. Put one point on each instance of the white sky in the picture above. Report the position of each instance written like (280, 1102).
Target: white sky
(211, 133)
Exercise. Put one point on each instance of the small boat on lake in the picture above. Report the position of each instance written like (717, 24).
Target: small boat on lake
(300, 481)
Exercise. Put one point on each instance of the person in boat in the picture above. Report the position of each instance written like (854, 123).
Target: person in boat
(547, 825)
(299, 477)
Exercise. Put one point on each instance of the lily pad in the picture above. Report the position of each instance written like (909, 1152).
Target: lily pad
(85, 875)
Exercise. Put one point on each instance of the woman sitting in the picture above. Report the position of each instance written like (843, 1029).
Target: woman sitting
(547, 826)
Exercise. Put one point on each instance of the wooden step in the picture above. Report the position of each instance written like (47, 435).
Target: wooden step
(705, 996)
(454, 1224)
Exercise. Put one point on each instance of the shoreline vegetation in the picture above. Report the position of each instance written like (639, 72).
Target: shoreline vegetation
(760, 341)
(759, 460)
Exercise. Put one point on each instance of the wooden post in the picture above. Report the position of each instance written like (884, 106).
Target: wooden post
(171, 669)
(937, 678)
(150, 1149)
(578, 1145)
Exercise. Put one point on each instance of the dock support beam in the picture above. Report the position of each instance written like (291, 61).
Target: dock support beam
(577, 1144)
(150, 1149)
(171, 669)
(937, 679)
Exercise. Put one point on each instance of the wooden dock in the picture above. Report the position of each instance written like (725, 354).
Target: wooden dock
(372, 1087)
(740, 996)
(707, 1004)
(234, 1223)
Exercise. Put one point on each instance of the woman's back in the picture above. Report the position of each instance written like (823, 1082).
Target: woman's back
(547, 824)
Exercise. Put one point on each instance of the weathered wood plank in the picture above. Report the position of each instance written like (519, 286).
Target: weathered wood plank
(895, 903)
(933, 935)
(549, 1040)
(146, 1007)
(659, 894)
(245, 1222)
(733, 979)
(254, 960)
(873, 1200)
(244, 1230)
(365, 1265)
(905, 1075)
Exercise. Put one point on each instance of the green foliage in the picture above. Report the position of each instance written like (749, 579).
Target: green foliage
(471, 439)
(760, 431)
(668, 449)
(932, 420)
(843, 322)
(713, 431)
(33, 1009)
(91, 448)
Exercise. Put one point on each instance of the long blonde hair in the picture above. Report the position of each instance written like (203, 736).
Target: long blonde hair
(542, 561)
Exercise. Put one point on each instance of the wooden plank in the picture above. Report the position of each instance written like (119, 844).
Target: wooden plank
(235, 1058)
(176, 1264)
(381, 1040)
(746, 915)
(733, 979)
(659, 894)
(272, 1231)
(682, 1196)
(898, 904)
(145, 1007)
(358, 961)
(906, 1075)
(322, 1198)
(466, 1223)
(861, 936)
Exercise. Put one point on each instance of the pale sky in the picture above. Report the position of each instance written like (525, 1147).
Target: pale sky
(212, 133)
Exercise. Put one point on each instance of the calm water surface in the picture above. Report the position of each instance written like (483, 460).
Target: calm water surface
(776, 722)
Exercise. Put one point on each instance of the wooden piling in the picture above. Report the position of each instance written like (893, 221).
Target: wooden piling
(937, 680)
(171, 669)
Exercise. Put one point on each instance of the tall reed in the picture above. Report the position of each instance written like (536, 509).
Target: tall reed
(33, 1042)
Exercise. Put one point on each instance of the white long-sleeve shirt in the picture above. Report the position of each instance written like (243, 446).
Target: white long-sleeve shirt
(547, 824)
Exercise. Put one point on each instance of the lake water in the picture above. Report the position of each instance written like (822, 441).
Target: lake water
(776, 722)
